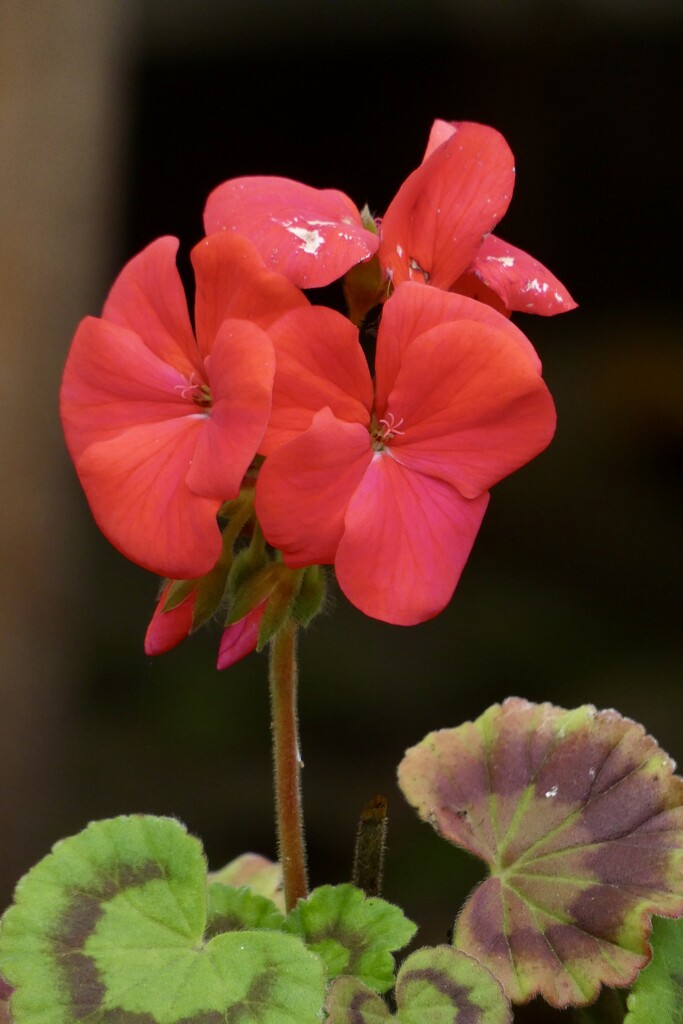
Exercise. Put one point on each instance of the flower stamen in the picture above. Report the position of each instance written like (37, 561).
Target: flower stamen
(194, 389)
(383, 430)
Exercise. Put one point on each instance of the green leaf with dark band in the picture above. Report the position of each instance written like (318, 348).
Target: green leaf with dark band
(438, 985)
(240, 909)
(350, 1001)
(110, 929)
(352, 933)
(580, 819)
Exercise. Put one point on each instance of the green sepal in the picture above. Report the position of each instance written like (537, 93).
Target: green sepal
(353, 934)
(248, 562)
(364, 284)
(279, 606)
(110, 927)
(210, 594)
(367, 220)
(311, 597)
(177, 592)
(233, 909)
(657, 993)
(215, 586)
(253, 592)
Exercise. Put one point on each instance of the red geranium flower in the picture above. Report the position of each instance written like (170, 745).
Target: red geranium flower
(436, 230)
(162, 427)
(390, 482)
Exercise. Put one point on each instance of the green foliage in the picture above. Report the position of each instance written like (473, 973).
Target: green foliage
(438, 985)
(352, 933)
(231, 909)
(657, 995)
(580, 820)
(260, 875)
(111, 927)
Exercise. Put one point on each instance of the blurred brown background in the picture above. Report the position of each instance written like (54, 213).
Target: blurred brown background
(116, 119)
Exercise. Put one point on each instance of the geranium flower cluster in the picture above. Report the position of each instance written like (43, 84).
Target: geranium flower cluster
(235, 458)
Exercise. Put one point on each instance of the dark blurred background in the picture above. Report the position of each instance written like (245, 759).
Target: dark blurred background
(116, 119)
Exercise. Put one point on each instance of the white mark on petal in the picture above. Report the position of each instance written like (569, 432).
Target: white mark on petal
(310, 240)
(506, 261)
(552, 791)
(399, 251)
(536, 286)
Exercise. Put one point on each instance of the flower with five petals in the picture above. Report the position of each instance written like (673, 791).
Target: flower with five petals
(161, 425)
(389, 479)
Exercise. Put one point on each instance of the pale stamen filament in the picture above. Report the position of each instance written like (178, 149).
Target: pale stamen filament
(195, 390)
(391, 427)
(187, 389)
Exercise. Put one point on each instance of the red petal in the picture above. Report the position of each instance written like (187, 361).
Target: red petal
(305, 485)
(521, 282)
(240, 638)
(113, 381)
(135, 485)
(240, 373)
(406, 540)
(312, 236)
(319, 363)
(470, 406)
(439, 133)
(442, 212)
(167, 629)
(474, 288)
(148, 298)
(414, 309)
(232, 283)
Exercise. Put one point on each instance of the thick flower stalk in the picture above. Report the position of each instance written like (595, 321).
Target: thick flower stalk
(388, 480)
(161, 425)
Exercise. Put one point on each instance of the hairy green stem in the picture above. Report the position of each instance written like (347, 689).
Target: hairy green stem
(287, 762)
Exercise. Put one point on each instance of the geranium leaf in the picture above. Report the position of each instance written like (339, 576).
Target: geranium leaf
(350, 1001)
(109, 927)
(434, 986)
(259, 874)
(352, 933)
(440, 983)
(233, 909)
(657, 994)
(580, 820)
